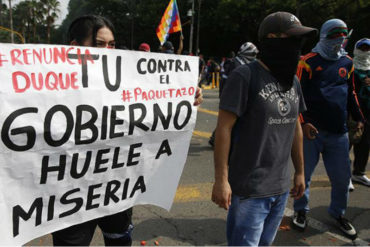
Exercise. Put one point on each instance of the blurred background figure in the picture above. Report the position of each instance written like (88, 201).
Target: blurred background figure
(167, 47)
(144, 47)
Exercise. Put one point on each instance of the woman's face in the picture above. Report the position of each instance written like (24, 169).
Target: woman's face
(104, 39)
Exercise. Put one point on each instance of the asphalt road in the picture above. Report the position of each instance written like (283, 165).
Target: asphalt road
(195, 220)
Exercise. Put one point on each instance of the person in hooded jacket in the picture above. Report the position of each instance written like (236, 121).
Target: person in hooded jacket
(326, 76)
(361, 62)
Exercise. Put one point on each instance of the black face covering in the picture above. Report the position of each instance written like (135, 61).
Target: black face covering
(281, 56)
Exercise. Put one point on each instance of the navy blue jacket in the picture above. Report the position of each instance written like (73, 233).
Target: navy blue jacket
(329, 92)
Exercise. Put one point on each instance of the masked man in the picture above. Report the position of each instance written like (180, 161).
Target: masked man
(326, 76)
(257, 130)
(361, 62)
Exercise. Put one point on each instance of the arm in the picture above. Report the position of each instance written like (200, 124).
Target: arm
(353, 103)
(181, 45)
(221, 192)
(304, 74)
(198, 97)
(298, 163)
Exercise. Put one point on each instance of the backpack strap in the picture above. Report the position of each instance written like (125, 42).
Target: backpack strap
(240, 61)
(252, 90)
(252, 95)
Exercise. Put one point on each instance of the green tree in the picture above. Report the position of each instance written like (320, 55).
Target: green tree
(225, 24)
(22, 19)
(51, 9)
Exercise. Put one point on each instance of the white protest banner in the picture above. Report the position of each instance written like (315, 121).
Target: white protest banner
(88, 132)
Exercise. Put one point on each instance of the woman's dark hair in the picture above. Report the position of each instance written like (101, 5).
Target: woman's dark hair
(87, 26)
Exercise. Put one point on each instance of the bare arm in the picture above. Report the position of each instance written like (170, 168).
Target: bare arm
(298, 162)
(181, 45)
(221, 192)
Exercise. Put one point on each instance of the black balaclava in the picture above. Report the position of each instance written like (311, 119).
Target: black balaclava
(281, 56)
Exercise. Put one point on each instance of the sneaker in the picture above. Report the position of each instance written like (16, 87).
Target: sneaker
(299, 220)
(361, 179)
(346, 227)
(350, 186)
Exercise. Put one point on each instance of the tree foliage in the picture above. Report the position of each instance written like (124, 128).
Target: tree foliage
(224, 24)
(33, 19)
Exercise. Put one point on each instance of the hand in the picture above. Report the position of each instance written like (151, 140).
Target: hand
(299, 186)
(198, 97)
(360, 125)
(221, 194)
(309, 131)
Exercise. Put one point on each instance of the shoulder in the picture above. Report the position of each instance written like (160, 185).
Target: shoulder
(306, 62)
(242, 70)
(347, 60)
(309, 59)
(310, 56)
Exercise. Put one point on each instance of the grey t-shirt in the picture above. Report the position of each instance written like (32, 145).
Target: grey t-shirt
(263, 134)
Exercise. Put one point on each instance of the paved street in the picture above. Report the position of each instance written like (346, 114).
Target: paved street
(195, 220)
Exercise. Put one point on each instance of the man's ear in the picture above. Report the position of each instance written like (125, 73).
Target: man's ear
(74, 42)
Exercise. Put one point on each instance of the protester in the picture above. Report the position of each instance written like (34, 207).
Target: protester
(361, 62)
(257, 129)
(212, 67)
(202, 68)
(247, 53)
(326, 76)
(97, 31)
(144, 47)
(224, 71)
(167, 47)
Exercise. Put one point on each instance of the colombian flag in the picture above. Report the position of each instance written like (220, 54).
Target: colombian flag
(170, 22)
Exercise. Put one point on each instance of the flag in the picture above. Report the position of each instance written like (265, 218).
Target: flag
(170, 22)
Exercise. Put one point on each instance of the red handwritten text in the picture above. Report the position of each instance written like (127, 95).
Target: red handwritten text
(53, 55)
(146, 95)
(49, 81)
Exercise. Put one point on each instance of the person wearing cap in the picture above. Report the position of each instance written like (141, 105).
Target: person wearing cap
(361, 62)
(144, 47)
(257, 131)
(167, 47)
(326, 76)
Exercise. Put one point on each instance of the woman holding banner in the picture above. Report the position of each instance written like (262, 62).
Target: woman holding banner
(97, 31)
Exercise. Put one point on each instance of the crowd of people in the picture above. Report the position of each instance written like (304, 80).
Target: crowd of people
(269, 111)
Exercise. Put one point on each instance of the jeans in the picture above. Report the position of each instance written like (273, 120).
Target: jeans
(334, 149)
(254, 221)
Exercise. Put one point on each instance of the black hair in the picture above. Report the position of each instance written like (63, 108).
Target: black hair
(88, 26)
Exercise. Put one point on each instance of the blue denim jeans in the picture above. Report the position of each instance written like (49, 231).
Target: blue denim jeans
(334, 150)
(254, 221)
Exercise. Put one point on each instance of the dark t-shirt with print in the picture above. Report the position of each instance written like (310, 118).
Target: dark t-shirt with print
(263, 134)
